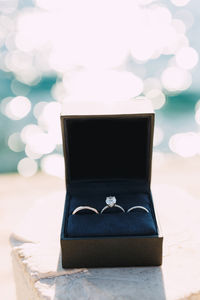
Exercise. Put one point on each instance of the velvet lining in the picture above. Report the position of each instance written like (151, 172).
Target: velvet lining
(113, 222)
(107, 148)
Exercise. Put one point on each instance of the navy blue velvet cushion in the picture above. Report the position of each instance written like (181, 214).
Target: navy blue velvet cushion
(113, 222)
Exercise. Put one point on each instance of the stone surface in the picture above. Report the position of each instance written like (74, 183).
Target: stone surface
(37, 264)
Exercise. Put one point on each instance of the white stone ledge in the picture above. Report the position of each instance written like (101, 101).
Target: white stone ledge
(39, 274)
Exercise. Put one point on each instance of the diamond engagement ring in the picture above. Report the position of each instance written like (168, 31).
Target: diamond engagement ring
(111, 202)
(137, 207)
(79, 208)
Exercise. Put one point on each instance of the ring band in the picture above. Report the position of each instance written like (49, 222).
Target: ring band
(136, 207)
(111, 202)
(79, 208)
(118, 206)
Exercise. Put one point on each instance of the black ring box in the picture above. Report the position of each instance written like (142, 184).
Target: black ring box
(108, 152)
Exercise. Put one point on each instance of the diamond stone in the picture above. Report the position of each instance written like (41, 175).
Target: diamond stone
(111, 201)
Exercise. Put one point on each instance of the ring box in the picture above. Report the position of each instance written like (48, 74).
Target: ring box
(108, 152)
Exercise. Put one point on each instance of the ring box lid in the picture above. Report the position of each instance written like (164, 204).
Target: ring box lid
(108, 140)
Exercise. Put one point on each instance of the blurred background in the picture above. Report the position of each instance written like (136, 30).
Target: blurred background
(53, 52)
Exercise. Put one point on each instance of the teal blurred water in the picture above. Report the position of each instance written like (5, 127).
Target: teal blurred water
(38, 93)
(177, 115)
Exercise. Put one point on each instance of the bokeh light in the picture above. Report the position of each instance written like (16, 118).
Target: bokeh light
(157, 98)
(4, 103)
(179, 26)
(18, 108)
(197, 114)
(187, 58)
(185, 144)
(38, 109)
(176, 79)
(27, 167)
(197, 106)
(15, 143)
(38, 141)
(31, 154)
(41, 143)
(151, 83)
(29, 131)
(158, 136)
(59, 92)
(53, 165)
(103, 86)
(19, 88)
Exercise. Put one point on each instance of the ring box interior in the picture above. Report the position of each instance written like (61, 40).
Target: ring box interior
(108, 152)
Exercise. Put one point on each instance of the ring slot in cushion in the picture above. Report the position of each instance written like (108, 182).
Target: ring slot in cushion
(98, 201)
(113, 222)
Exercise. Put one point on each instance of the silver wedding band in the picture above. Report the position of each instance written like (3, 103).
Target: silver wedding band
(79, 208)
(137, 207)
